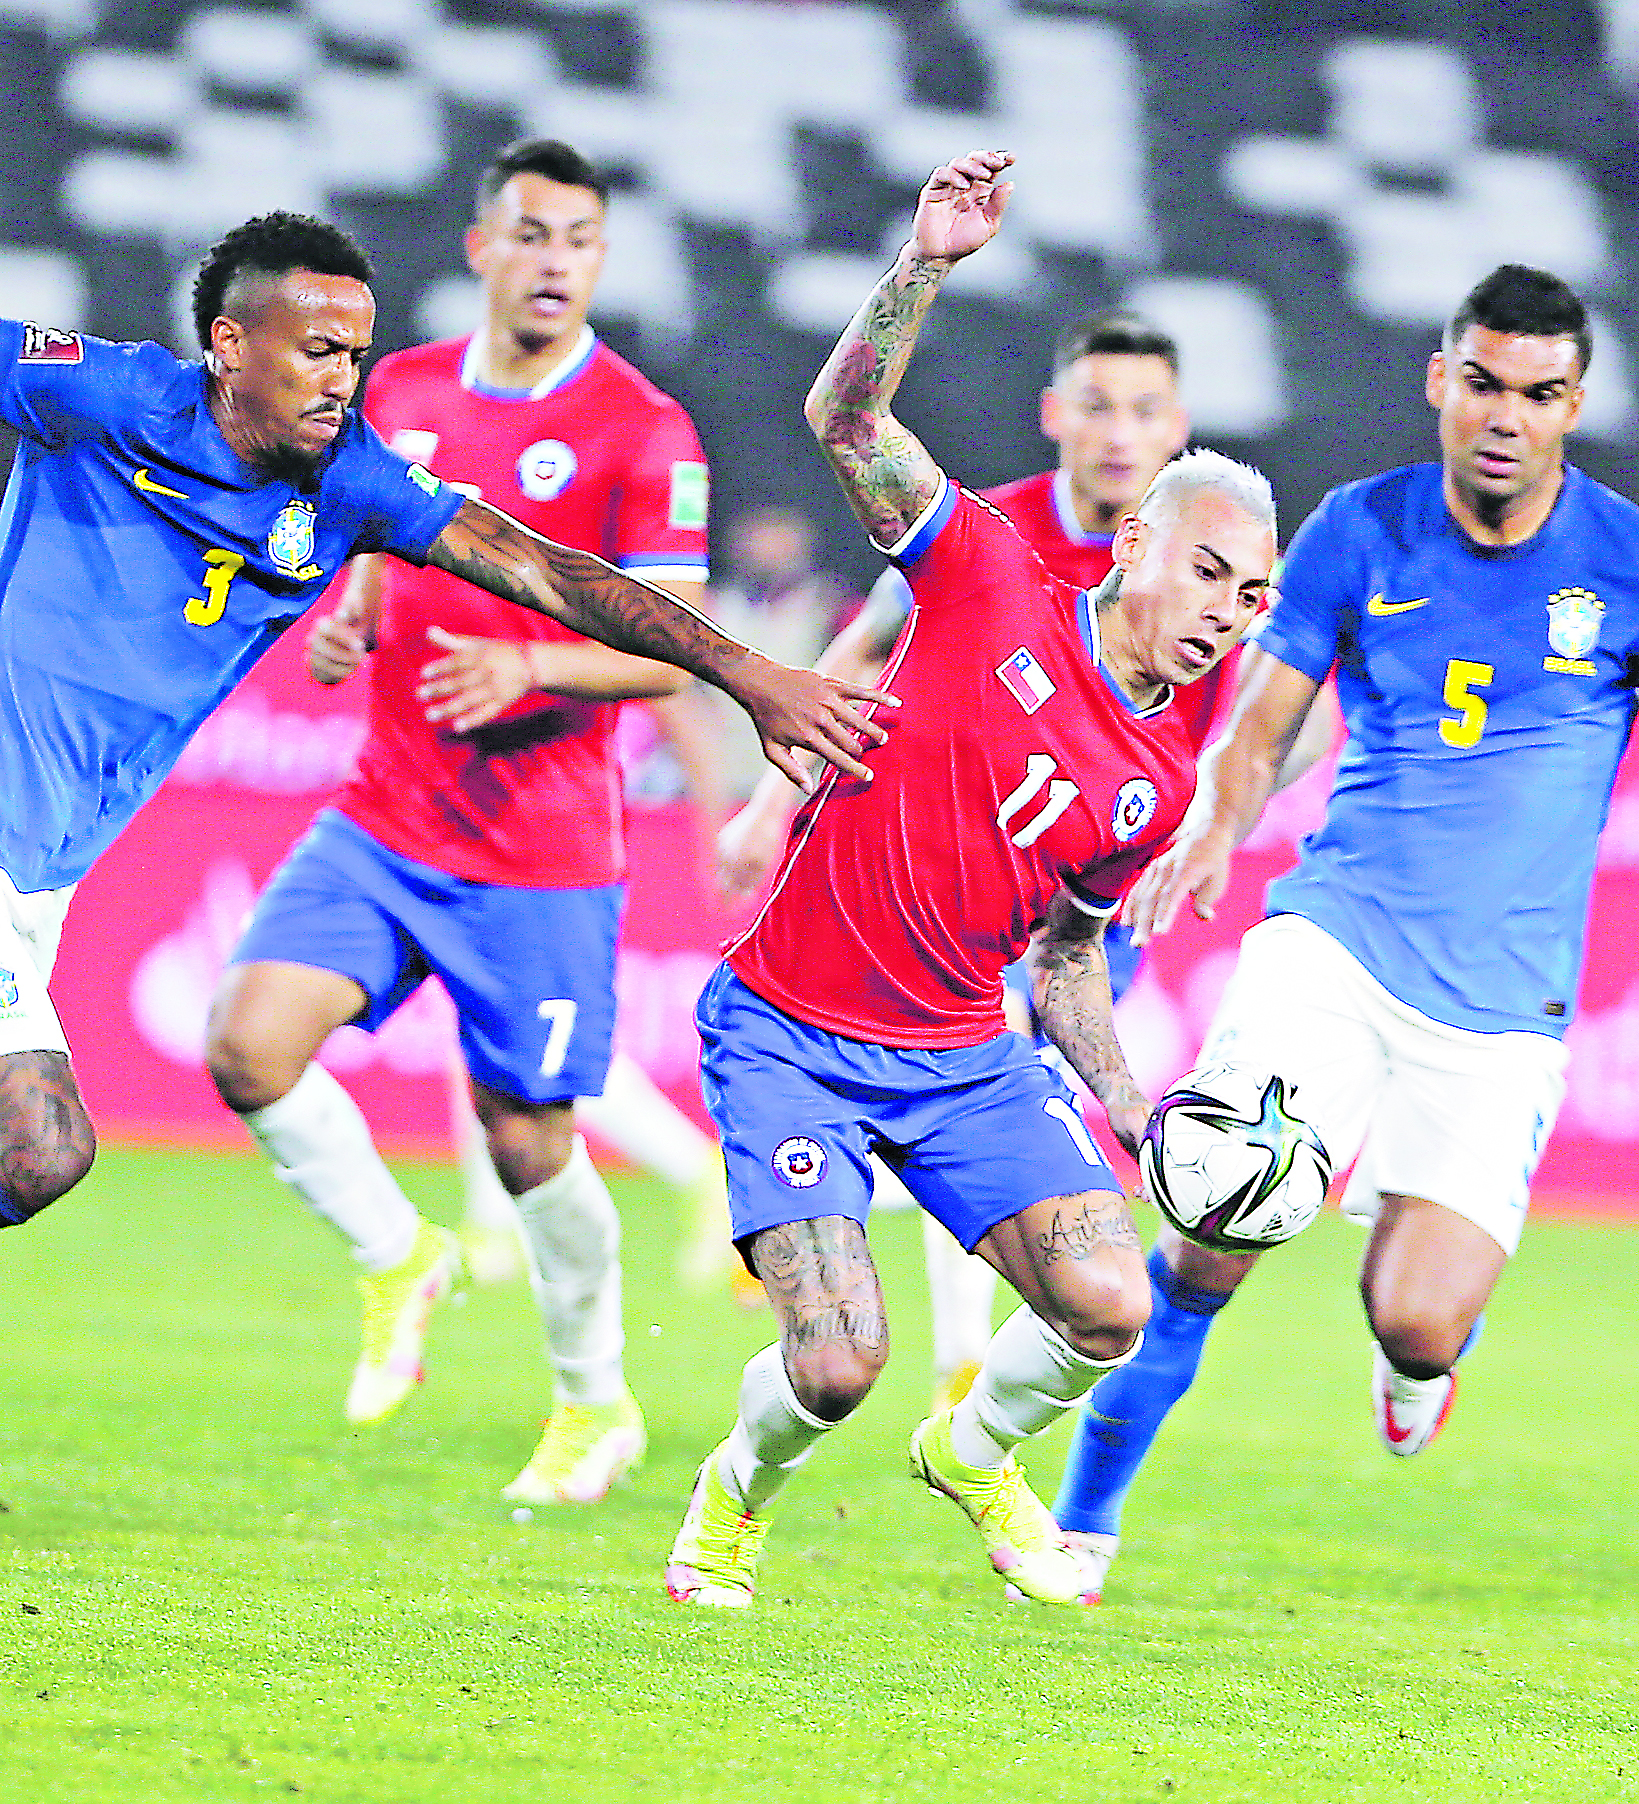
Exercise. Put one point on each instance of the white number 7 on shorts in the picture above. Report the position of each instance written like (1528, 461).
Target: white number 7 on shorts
(559, 1016)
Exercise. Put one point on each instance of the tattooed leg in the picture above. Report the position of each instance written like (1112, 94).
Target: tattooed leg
(833, 1327)
(46, 1139)
(833, 1342)
(1078, 1262)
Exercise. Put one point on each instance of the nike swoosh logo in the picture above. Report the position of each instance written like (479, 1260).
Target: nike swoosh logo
(147, 484)
(1377, 605)
(1391, 1428)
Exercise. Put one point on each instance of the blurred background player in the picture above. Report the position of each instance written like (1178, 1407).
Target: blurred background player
(1114, 411)
(1420, 965)
(488, 786)
(777, 598)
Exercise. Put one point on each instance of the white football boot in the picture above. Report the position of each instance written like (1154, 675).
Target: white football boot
(1409, 1412)
(1096, 1553)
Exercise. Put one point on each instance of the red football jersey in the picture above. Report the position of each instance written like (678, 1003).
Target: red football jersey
(1014, 764)
(597, 458)
(1041, 508)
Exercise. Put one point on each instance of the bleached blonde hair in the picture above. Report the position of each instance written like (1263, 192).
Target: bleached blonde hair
(1200, 472)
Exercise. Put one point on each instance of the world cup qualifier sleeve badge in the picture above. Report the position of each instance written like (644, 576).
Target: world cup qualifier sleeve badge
(290, 541)
(799, 1162)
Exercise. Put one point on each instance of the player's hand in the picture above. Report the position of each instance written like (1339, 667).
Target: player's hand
(1196, 867)
(961, 205)
(474, 681)
(748, 844)
(336, 644)
(801, 711)
(1128, 1110)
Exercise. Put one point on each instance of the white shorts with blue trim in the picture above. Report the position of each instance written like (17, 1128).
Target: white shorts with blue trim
(1456, 1117)
(30, 928)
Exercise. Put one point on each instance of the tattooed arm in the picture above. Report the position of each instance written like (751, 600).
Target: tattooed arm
(1072, 989)
(887, 474)
(793, 709)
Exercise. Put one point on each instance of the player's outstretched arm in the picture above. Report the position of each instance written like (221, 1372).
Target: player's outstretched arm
(795, 710)
(1071, 978)
(885, 471)
(1236, 777)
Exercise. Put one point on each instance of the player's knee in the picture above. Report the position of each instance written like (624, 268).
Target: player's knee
(1422, 1336)
(1105, 1310)
(245, 1066)
(832, 1378)
(528, 1145)
(34, 1175)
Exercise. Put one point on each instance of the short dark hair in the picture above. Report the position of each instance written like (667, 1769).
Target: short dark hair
(1517, 299)
(551, 157)
(1113, 335)
(272, 245)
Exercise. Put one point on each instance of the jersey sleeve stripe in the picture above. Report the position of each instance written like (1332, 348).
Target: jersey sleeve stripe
(682, 569)
(927, 525)
(1093, 905)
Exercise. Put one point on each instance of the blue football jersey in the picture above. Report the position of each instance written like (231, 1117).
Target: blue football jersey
(1488, 697)
(144, 567)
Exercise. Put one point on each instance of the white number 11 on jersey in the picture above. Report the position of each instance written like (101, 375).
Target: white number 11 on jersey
(1061, 792)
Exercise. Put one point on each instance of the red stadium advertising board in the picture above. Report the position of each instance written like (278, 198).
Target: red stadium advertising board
(153, 922)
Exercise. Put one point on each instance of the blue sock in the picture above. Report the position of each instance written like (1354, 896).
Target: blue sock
(1473, 1335)
(1125, 1411)
(9, 1218)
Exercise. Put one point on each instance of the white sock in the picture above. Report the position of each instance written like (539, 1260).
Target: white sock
(961, 1290)
(573, 1236)
(642, 1123)
(1030, 1377)
(772, 1435)
(320, 1146)
(484, 1197)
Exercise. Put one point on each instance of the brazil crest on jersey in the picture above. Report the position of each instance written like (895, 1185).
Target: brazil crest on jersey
(146, 567)
(1014, 765)
(1488, 695)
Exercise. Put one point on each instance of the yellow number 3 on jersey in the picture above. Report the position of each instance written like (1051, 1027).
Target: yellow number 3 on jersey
(221, 567)
(1462, 678)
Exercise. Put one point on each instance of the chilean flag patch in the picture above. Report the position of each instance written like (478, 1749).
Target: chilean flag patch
(1029, 683)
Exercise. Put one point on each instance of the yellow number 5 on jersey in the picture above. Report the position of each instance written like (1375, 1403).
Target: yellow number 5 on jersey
(221, 567)
(1462, 678)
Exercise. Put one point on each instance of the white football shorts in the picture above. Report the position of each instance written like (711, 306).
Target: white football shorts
(30, 928)
(1456, 1117)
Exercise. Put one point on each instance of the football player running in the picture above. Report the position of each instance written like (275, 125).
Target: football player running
(165, 521)
(480, 835)
(1041, 769)
(1418, 969)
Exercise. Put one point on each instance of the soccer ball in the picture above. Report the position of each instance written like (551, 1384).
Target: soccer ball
(1227, 1161)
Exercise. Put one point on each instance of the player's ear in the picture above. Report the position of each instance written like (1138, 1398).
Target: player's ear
(473, 243)
(1434, 385)
(227, 342)
(1131, 536)
(1573, 412)
(1052, 414)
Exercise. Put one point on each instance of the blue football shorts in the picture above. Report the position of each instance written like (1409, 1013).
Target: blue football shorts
(531, 971)
(976, 1133)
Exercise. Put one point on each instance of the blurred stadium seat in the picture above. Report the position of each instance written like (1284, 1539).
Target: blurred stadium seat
(1298, 192)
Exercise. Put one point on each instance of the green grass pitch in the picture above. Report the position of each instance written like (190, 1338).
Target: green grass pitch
(210, 1590)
